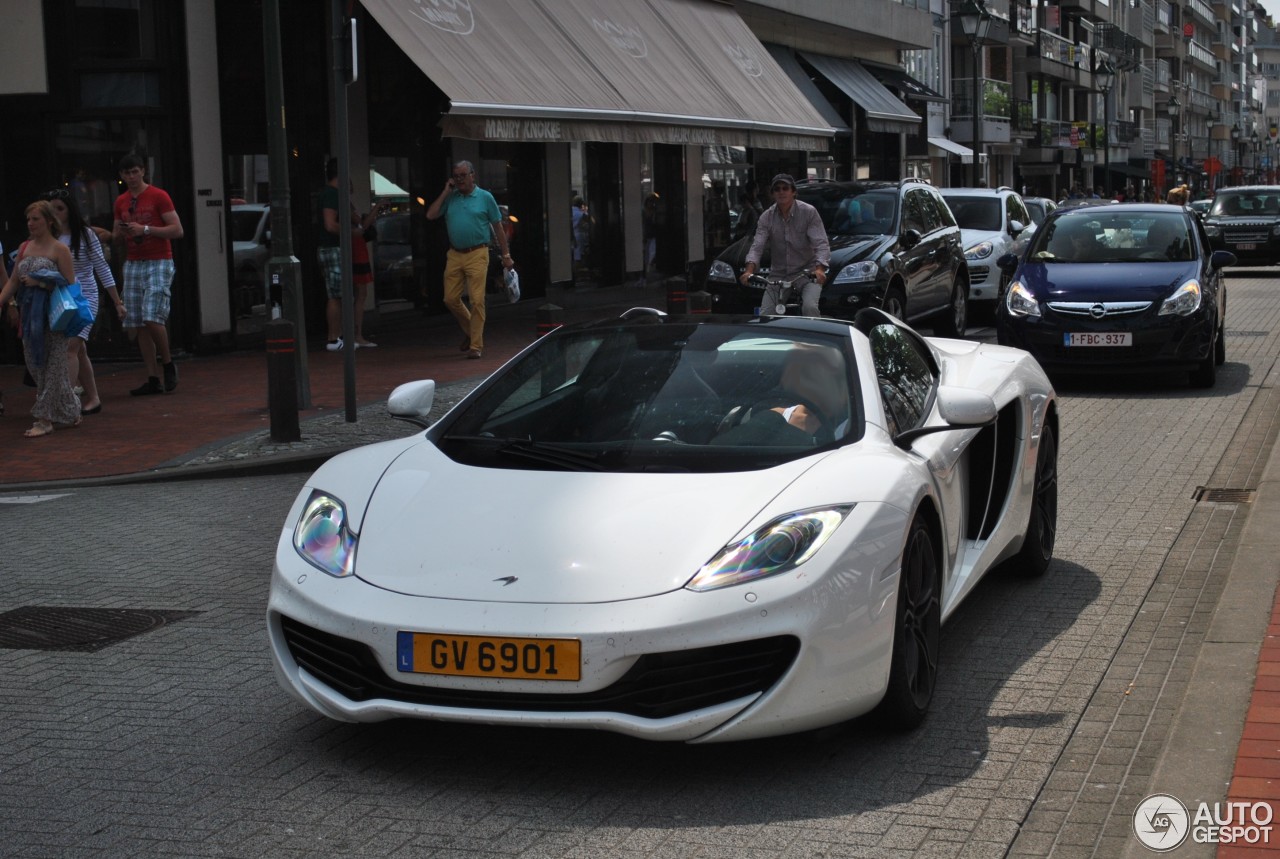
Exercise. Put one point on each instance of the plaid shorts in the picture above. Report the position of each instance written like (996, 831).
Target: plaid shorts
(331, 265)
(146, 291)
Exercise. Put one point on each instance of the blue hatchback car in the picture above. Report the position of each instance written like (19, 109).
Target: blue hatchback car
(1128, 287)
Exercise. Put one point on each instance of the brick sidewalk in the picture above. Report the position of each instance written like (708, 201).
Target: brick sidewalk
(1257, 772)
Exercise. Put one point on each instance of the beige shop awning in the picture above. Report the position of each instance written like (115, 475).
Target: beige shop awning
(660, 71)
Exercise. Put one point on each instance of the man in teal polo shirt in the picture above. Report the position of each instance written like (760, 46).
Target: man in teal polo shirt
(471, 216)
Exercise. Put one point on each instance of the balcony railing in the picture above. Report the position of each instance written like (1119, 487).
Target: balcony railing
(1060, 50)
(1197, 51)
(997, 100)
(1056, 134)
(1022, 118)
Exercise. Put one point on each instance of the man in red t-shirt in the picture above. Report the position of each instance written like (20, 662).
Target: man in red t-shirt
(146, 222)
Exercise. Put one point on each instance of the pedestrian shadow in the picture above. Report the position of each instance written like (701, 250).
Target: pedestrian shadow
(1010, 681)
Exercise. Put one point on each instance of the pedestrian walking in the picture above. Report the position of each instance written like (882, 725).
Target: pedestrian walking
(147, 223)
(471, 216)
(92, 272)
(41, 260)
(330, 255)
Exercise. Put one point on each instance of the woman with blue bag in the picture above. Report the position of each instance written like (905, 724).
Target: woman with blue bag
(44, 350)
(91, 271)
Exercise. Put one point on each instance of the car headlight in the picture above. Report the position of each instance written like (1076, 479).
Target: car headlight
(1275, 229)
(322, 536)
(720, 270)
(1184, 301)
(981, 250)
(1019, 301)
(782, 545)
(858, 272)
(1214, 230)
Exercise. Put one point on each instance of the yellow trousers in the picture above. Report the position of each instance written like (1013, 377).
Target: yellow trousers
(467, 271)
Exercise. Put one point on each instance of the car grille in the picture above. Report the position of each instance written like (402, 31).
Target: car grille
(978, 274)
(659, 685)
(1247, 233)
(1089, 308)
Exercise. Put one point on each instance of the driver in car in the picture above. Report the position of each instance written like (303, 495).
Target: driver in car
(810, 405)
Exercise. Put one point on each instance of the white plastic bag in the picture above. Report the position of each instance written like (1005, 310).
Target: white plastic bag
(512, 280)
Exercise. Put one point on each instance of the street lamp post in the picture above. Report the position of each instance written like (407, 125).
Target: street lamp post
(1105, 77)
(1209, 122)
(975, 20)
(1173, 106)
(1235, 147)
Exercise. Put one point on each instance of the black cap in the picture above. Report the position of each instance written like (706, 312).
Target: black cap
(783, 178)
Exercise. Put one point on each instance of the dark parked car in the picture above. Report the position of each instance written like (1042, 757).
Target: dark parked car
(1039, 208)
(1126, 287)
(1246, 221)
(250, 250)
(894, 245)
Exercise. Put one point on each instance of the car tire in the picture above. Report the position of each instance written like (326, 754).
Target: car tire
(1205, 375)
(952, 321)
(895, 303)
(913, 671)
(1042, 524)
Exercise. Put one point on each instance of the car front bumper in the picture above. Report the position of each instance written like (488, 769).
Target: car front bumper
(819, 640)
(1158, 342)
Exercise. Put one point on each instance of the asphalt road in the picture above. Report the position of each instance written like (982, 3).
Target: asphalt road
(1056, 700)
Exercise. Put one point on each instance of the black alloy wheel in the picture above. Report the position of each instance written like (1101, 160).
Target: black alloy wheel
(917, 633)
(895, 303)
(1042, 525)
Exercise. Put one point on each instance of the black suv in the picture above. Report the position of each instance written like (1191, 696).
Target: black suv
(893, 245)
(1246, 221)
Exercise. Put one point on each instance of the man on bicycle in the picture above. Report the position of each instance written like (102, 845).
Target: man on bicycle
(797, 242)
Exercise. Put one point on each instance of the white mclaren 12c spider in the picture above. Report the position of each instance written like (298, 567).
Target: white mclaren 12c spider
(697, 528)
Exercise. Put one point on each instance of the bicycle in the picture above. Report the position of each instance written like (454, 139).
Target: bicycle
(783, 291)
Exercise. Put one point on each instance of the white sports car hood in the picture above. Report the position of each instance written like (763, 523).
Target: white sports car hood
(439, 529)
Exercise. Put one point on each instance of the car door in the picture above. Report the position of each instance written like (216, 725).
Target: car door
(921, 263)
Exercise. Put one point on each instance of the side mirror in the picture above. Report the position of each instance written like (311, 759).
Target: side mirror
(266, 238)
(911, 238)
(412, 401)
(1222, 259)
(961, 408)
(1008, 264)
(1016, 227)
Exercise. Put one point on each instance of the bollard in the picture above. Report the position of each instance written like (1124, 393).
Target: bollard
(282, 381)
(699, 301)
(549, 320)
(677, 295)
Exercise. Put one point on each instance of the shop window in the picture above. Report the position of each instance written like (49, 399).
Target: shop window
(115, 29)
(119, 89)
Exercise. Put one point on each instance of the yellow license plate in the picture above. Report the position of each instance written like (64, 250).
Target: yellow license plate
(486, 656)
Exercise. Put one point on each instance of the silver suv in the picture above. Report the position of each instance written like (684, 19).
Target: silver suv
(993, 222)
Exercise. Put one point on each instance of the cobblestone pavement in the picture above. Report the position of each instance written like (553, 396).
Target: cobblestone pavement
(1062, 701)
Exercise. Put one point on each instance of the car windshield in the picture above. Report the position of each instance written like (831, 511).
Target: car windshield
(854, 212)
(244, 224)
(668, 396)
(1104, 236)
(976, 213)
(1037, 211)
(1262, 203)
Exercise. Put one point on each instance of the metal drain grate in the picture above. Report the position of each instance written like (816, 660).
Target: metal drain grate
(81, 629)
(1224, 496)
